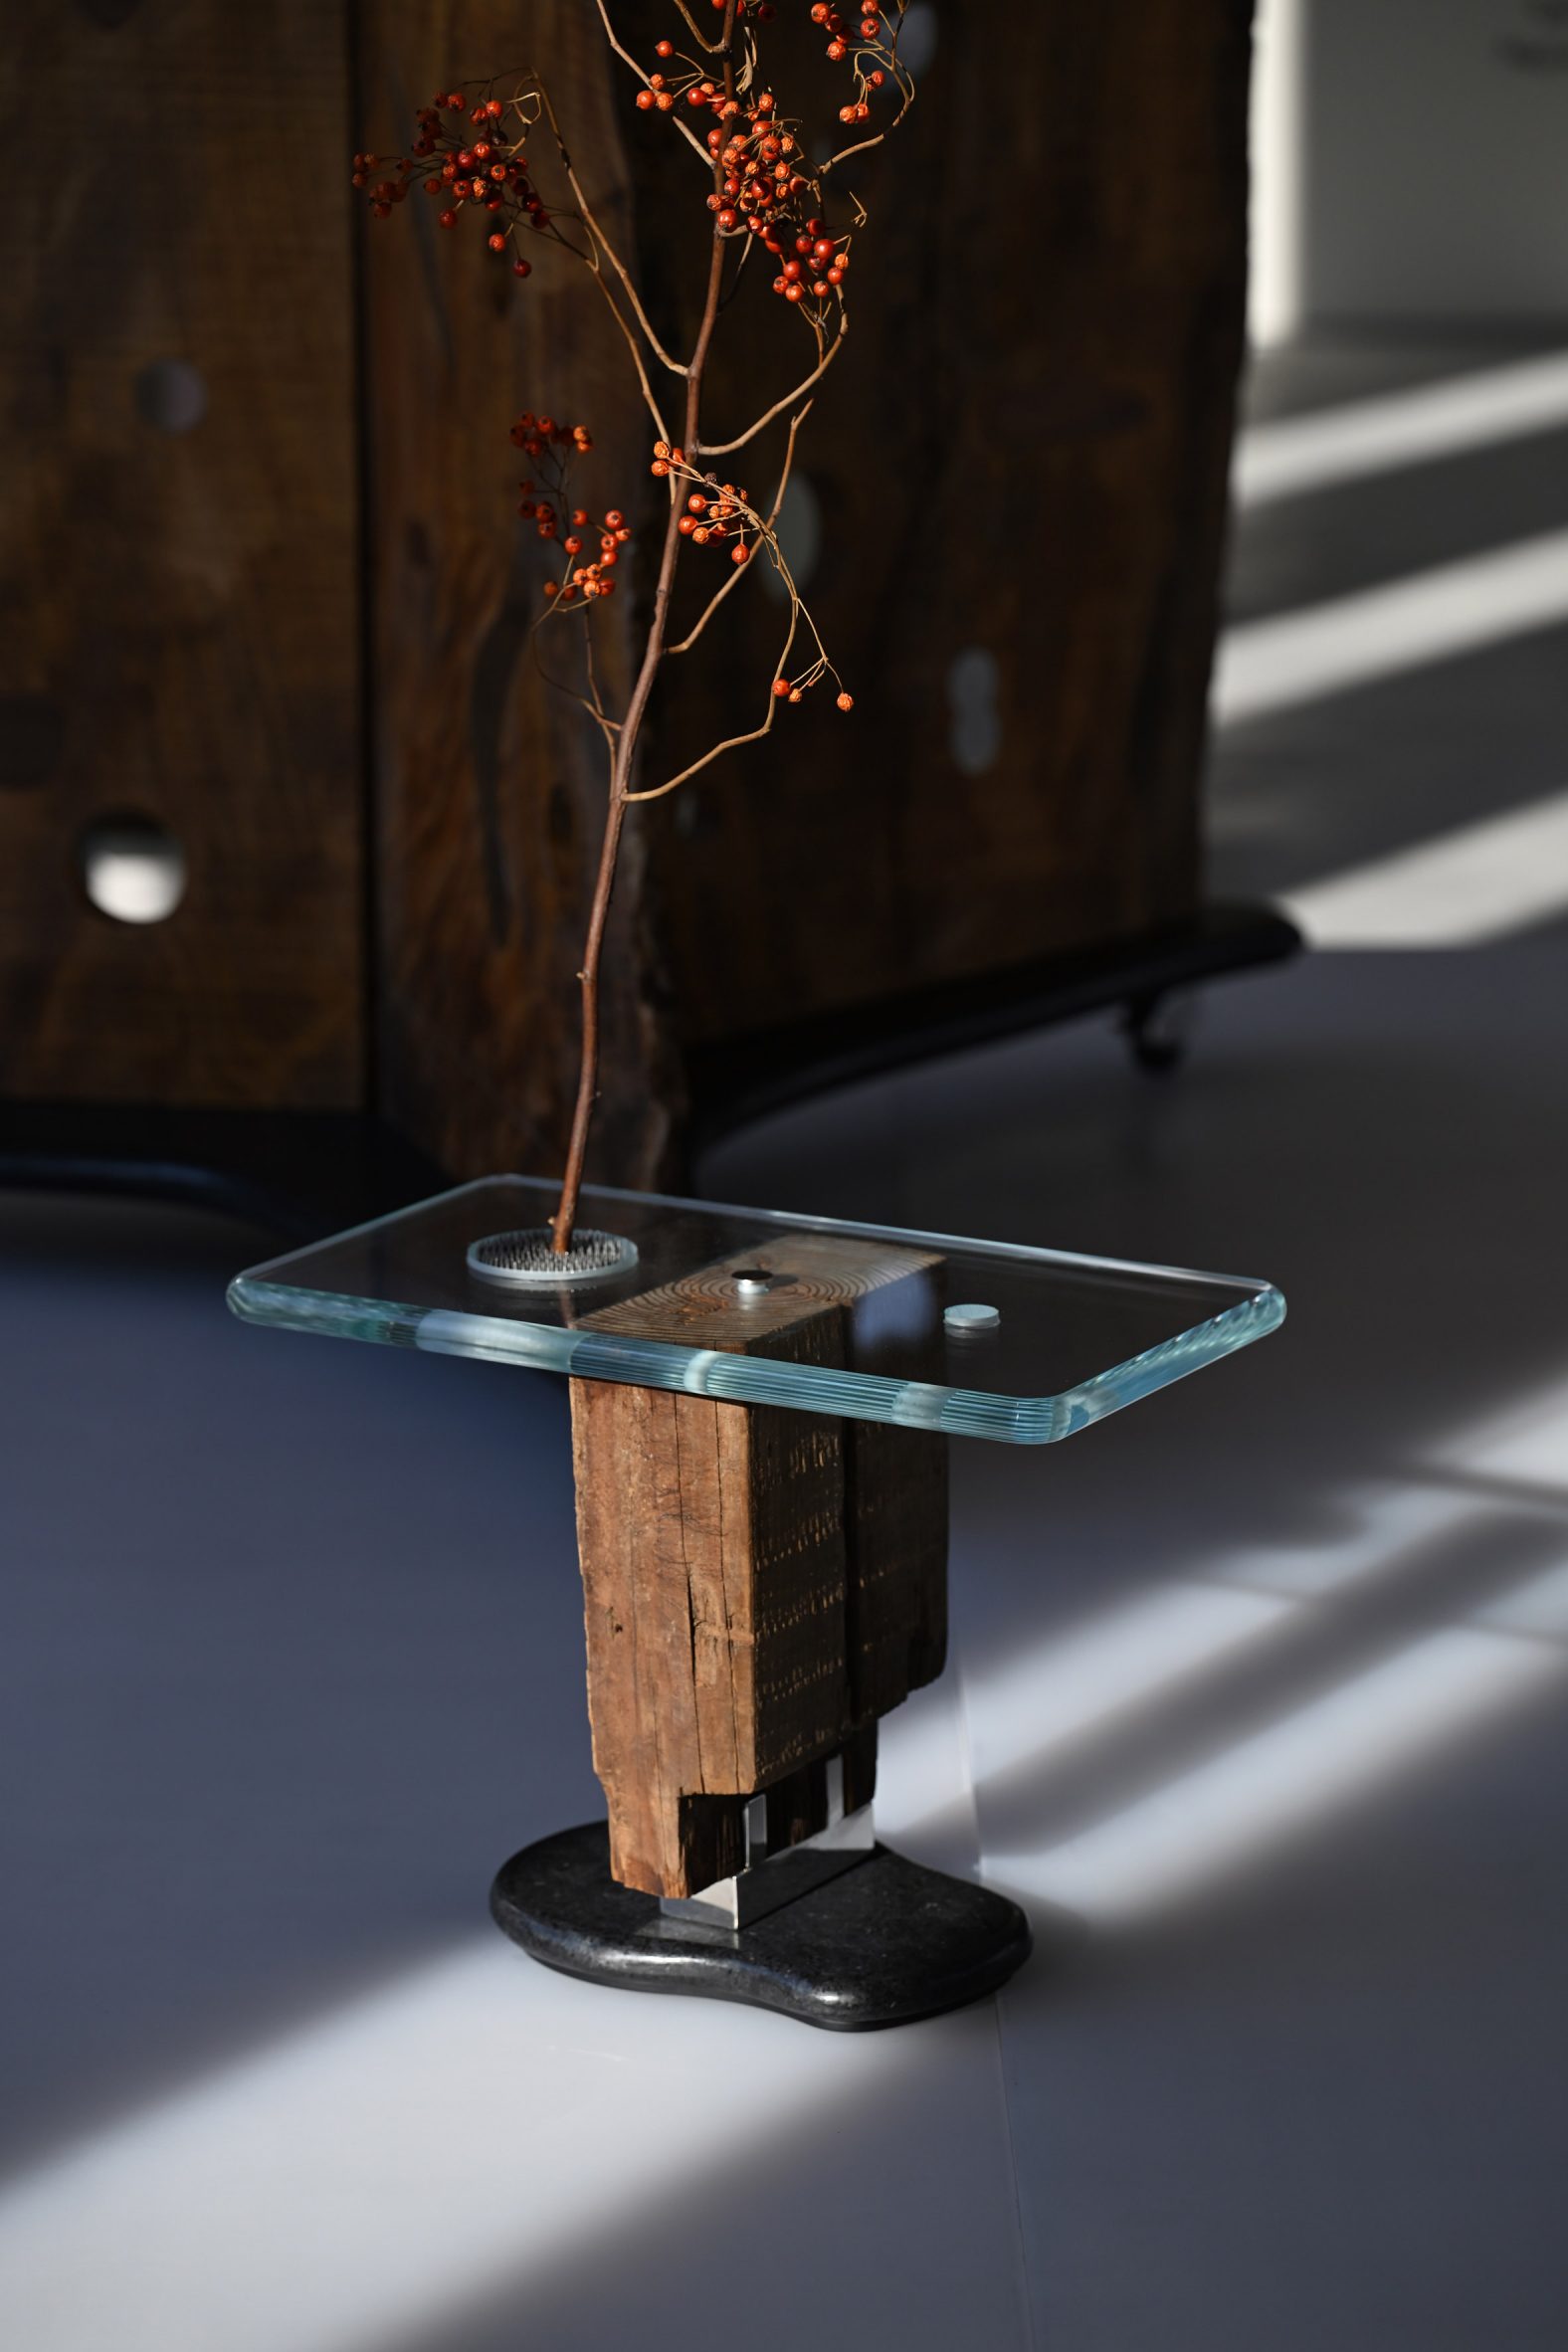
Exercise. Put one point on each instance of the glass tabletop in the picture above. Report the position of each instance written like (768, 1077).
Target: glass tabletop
(981, 1340)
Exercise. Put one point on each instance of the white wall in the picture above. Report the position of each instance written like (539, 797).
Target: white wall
(1410, 162)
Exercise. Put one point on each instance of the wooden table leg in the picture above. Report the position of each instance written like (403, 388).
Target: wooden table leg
(761, 1586)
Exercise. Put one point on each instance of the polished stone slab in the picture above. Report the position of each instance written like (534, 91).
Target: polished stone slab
(883, 1944)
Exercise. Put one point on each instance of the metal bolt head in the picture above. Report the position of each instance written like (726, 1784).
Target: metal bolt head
(973, 1317)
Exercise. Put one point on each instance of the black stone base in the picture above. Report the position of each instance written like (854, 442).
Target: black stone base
(883, 1944)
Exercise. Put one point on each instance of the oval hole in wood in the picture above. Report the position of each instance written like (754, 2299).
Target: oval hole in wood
(974, 734)
(132, 868)
(171, 395)
(800, 537)
(917, 38)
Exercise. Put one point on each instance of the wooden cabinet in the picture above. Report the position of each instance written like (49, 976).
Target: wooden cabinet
(264, 583)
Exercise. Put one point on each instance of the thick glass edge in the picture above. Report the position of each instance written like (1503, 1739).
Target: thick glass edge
(789, 1219)
(754, 1380)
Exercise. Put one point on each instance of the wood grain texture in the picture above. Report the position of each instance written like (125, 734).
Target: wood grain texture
(751, 1602)
(895, 1480)
(181, 605)
(712, 1547)
(491, 789)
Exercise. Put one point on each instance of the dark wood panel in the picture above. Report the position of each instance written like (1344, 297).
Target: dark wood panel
(1022, 457)
(181, 631)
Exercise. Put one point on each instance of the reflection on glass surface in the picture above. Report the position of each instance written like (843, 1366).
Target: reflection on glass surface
(1072, 1339)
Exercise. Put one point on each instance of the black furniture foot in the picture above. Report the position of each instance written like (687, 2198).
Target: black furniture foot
(883, 1944)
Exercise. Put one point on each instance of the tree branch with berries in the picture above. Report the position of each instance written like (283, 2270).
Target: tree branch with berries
(768, 215)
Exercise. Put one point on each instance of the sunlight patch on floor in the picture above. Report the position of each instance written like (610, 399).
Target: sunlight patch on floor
(1240, 1805)
(1465, 888)
(1389, 430)
(1454, 608)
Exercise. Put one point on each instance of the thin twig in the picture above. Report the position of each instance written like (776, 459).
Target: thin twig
(608, 727)
(723, 449)
(633, 346)
(676, 366)
(627, 59)
(907, 91)
(608, 724)
(713, 48)
(734, 742)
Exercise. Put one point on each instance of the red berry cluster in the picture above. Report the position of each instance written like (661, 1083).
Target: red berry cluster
(763, 188)
(716, 511)
(795, 690)
(551, 447)
(764, 193)
(867, 42)
(489, 173)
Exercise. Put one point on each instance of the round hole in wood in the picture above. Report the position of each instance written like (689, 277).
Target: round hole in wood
(917, 36)
(132, 868)
(171, 395)
(974, 732)
(800, 537)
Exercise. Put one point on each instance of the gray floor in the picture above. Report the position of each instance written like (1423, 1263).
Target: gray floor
(1260, 1705)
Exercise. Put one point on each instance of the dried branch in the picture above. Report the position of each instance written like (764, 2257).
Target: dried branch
(723, 449)
(603, 242)
(863, 147)
(609, 727)
(714, 49)
(762, 193)
(734, 742)
(565, 1218)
